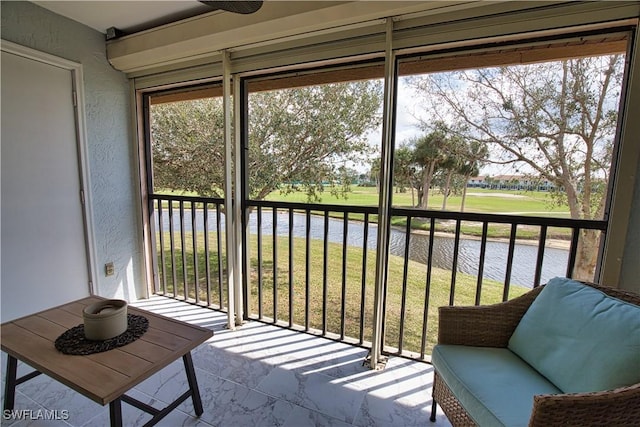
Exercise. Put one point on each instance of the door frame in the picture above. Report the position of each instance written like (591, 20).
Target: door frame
(81, 142)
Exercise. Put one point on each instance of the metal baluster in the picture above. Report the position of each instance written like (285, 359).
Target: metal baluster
(483, 252)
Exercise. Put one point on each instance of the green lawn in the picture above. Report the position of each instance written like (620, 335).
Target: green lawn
(415, 288)
(478, 200)
(536, 203)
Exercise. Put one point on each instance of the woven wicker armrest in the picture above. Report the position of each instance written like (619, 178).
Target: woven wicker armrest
(619, 407)
(483, 326)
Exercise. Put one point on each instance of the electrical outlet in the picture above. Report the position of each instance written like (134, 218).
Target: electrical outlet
(109, 269)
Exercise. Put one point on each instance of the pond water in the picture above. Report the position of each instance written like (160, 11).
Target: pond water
(524, 259)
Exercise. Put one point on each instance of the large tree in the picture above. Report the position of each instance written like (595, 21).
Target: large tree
(298, 138)
(404, 170)
(556, 119)
(429, 153)
(453, 160)
(374, 171)
(474, 155)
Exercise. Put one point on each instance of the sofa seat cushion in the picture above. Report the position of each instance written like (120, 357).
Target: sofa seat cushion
(494, 385)
(580, 338)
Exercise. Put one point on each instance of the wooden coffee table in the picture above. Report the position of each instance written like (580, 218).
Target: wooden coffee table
(102, 377)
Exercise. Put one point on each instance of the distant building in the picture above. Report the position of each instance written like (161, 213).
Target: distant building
(476, 182)
(511, 182)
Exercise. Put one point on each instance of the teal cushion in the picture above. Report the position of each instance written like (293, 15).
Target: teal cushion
(580, 338)
(494, 385)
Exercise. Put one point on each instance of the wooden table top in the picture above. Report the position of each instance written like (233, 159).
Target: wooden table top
(104, 376)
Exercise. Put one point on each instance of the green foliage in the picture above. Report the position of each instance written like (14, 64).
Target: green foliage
(302, 136)
(306, 135)
(437, 158)
(187, 146)
(404, 169)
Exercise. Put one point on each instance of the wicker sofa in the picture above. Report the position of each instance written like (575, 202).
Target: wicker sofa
(592, 381)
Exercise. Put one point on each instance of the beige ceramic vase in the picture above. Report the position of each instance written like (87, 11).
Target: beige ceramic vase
(105, 319)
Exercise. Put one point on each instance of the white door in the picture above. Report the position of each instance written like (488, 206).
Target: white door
(44, 256)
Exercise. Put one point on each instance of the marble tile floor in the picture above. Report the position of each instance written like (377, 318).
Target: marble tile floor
(258, 375)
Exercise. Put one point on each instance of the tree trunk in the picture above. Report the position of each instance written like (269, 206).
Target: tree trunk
(445, 193)
(587, 255)
(464, 194)
(426, 183)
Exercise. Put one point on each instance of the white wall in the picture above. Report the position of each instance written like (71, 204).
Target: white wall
(112, 156)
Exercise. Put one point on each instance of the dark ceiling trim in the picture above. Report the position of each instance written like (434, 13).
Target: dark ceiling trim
(237, 6)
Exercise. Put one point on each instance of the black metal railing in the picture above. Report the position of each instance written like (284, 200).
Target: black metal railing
(311, 267)
(472, 287)
(191, 265)
(310, 287)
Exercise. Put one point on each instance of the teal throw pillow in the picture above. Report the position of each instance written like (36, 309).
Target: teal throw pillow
(580, 338)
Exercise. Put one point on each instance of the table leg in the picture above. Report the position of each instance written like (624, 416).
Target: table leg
(115, 413)
(10, 383)
(193, 384)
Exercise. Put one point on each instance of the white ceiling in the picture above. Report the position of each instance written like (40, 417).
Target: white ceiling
(128, 16)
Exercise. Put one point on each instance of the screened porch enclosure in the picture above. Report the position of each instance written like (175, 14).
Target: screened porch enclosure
(312, 266)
